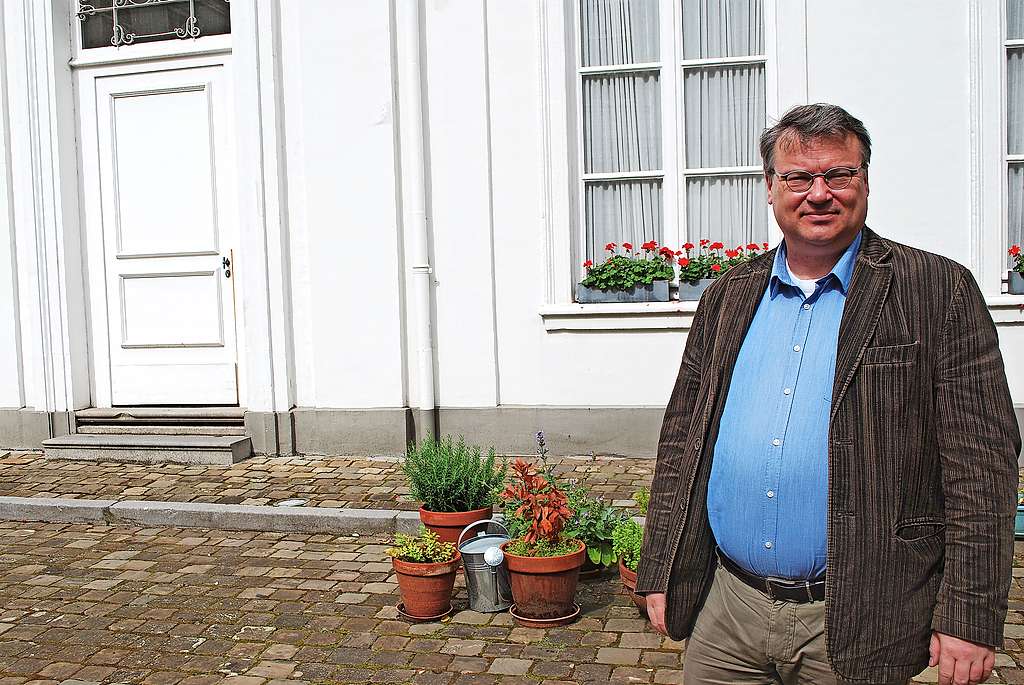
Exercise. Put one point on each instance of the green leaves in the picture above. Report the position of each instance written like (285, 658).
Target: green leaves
(627, 541)
(452, 476)
(620, 272)
(425, 548)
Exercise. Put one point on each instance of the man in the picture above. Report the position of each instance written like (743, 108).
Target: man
(834, 493)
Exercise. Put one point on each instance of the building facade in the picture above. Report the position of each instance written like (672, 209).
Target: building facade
(361, 222)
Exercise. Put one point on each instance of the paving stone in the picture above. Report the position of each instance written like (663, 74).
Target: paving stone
(461, 647)
(508, 666)
(617, 655)
(626, 675)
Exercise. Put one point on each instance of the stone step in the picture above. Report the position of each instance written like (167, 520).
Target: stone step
(158, 429)
(150, 449)
(164, 415)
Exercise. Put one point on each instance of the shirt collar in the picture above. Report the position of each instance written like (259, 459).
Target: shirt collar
(841, 273)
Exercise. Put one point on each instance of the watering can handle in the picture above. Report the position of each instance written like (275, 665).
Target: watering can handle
(477, 523)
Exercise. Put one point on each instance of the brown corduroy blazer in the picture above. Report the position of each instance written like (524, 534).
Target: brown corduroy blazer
(922, 462)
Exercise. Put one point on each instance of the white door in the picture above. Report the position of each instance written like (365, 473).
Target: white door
(158, 181)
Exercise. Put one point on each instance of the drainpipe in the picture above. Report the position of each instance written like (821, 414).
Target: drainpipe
(416, 216)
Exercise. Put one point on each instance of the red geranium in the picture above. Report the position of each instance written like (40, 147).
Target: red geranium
(650, 245)
(587, 264)
(764, 246)
(610, 247)
(753, 247)
(1014, 250)
(688, 246)
(627, 246)
(717, 246)
(716, 267)
(684, 261)
(730, 254)
(704, 242)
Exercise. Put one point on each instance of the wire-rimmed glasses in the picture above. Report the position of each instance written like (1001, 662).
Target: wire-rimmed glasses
(836, 178)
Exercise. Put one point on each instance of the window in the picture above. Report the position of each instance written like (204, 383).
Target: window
(1015, 120)
(125, 22)
(672, 103)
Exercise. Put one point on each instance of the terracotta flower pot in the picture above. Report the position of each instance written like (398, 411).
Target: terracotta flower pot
(448, 525)
(629, 582)
(544, 587)
(426, 588)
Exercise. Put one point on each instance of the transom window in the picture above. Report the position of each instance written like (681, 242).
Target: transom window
(671, 100)
(1015, 121)
(126, 22)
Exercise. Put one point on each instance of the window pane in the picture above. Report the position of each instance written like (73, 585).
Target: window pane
(142, 23)
(622, 211)
(1015, 206)
(1015, 101)
(724, 115)
(621, 123)
(618, 32)
(732, 209)
(722, 28)
(1014, 19)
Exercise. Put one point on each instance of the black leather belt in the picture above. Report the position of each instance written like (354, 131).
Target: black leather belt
(798, 591)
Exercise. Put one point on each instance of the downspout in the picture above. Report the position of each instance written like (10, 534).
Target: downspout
(416, 217)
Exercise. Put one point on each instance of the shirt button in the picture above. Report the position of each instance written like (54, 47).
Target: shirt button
(776, 442)
(787, 391)
(770, 493)
(768, 545)
(806, 306)
(796, 348)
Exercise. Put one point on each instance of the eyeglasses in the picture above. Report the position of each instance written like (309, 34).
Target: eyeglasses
(836, 178)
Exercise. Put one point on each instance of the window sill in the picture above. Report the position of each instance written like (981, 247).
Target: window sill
(678, 315)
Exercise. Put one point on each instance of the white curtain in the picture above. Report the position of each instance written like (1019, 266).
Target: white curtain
(732, 209)
(1014, 19)
(724, 114)
(621, 123)
(722, 28)
(1015, 206)
(618, 32)
(1015, 101)
(622, 211)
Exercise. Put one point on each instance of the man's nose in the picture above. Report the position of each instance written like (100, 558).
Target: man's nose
(819, 192)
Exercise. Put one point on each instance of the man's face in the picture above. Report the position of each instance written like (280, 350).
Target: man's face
(821, 219)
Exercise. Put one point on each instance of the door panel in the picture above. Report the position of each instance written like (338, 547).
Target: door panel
(170, 311)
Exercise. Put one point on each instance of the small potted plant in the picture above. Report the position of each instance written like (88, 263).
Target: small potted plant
(425, 567)
(628, 276)
(543, 562)
(699, 270)
(455, 482)
(627, 541)
(1015, 278)
(593, 521)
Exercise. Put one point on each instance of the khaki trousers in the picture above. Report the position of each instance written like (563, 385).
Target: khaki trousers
(742, 636)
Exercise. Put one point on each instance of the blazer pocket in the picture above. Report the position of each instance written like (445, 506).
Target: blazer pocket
(922, 528)
(891, 354)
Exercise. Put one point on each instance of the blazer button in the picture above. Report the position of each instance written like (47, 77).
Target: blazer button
(696, 445)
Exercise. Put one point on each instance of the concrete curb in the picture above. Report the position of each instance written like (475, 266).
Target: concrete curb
(202, 515)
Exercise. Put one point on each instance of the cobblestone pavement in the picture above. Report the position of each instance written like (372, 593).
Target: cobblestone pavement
(102, 604)
(374, 483)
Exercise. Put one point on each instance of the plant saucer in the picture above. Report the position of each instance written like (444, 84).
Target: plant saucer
(422, 619)
(545, 622)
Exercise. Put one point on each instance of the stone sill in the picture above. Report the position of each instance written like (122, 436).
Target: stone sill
(1006, 310)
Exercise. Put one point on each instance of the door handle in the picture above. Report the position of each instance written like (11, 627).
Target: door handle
(226, 263)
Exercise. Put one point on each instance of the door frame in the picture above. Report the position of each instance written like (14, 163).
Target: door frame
(40, 140)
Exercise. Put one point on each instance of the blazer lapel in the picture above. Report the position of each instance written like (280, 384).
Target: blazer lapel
(869, 287)
(739, 304)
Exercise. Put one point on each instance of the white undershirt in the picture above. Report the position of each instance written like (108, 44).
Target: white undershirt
(806, 285)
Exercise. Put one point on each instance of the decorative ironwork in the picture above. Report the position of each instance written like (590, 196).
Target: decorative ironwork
(119, 8)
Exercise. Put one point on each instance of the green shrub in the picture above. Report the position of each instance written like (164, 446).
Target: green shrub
(450, 476)
(594, 522)
(642, 497)
(425, 548)
(627, 541)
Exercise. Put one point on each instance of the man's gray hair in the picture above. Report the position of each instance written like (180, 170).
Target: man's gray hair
(811, 122)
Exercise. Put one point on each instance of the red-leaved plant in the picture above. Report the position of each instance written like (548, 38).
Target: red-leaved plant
(542, 504)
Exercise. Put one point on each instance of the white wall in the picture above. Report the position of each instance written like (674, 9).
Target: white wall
(11, 392)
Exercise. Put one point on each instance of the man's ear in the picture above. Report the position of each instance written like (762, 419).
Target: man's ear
(768, 178)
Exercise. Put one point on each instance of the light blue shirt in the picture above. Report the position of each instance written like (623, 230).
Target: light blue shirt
(768, 493)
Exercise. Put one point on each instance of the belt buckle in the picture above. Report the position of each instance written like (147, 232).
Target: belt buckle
(807, 589)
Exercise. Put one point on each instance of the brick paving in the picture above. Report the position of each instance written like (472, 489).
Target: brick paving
(363, 483)
(115, 604)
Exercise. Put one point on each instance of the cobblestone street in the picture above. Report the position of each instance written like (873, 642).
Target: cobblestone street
(109, 604)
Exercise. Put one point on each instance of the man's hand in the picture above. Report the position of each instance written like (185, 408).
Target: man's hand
(656, 611)
(960, 662)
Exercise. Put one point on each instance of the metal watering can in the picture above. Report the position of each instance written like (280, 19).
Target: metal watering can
(487, 578)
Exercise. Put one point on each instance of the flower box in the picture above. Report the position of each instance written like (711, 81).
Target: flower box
(1015, 283)
(693, 291)
(656, 291)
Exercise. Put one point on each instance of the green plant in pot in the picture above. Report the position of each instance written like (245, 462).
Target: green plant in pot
(425, 567)
(627, 541)
(543, 561)
(456, 483)
(593, 521)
